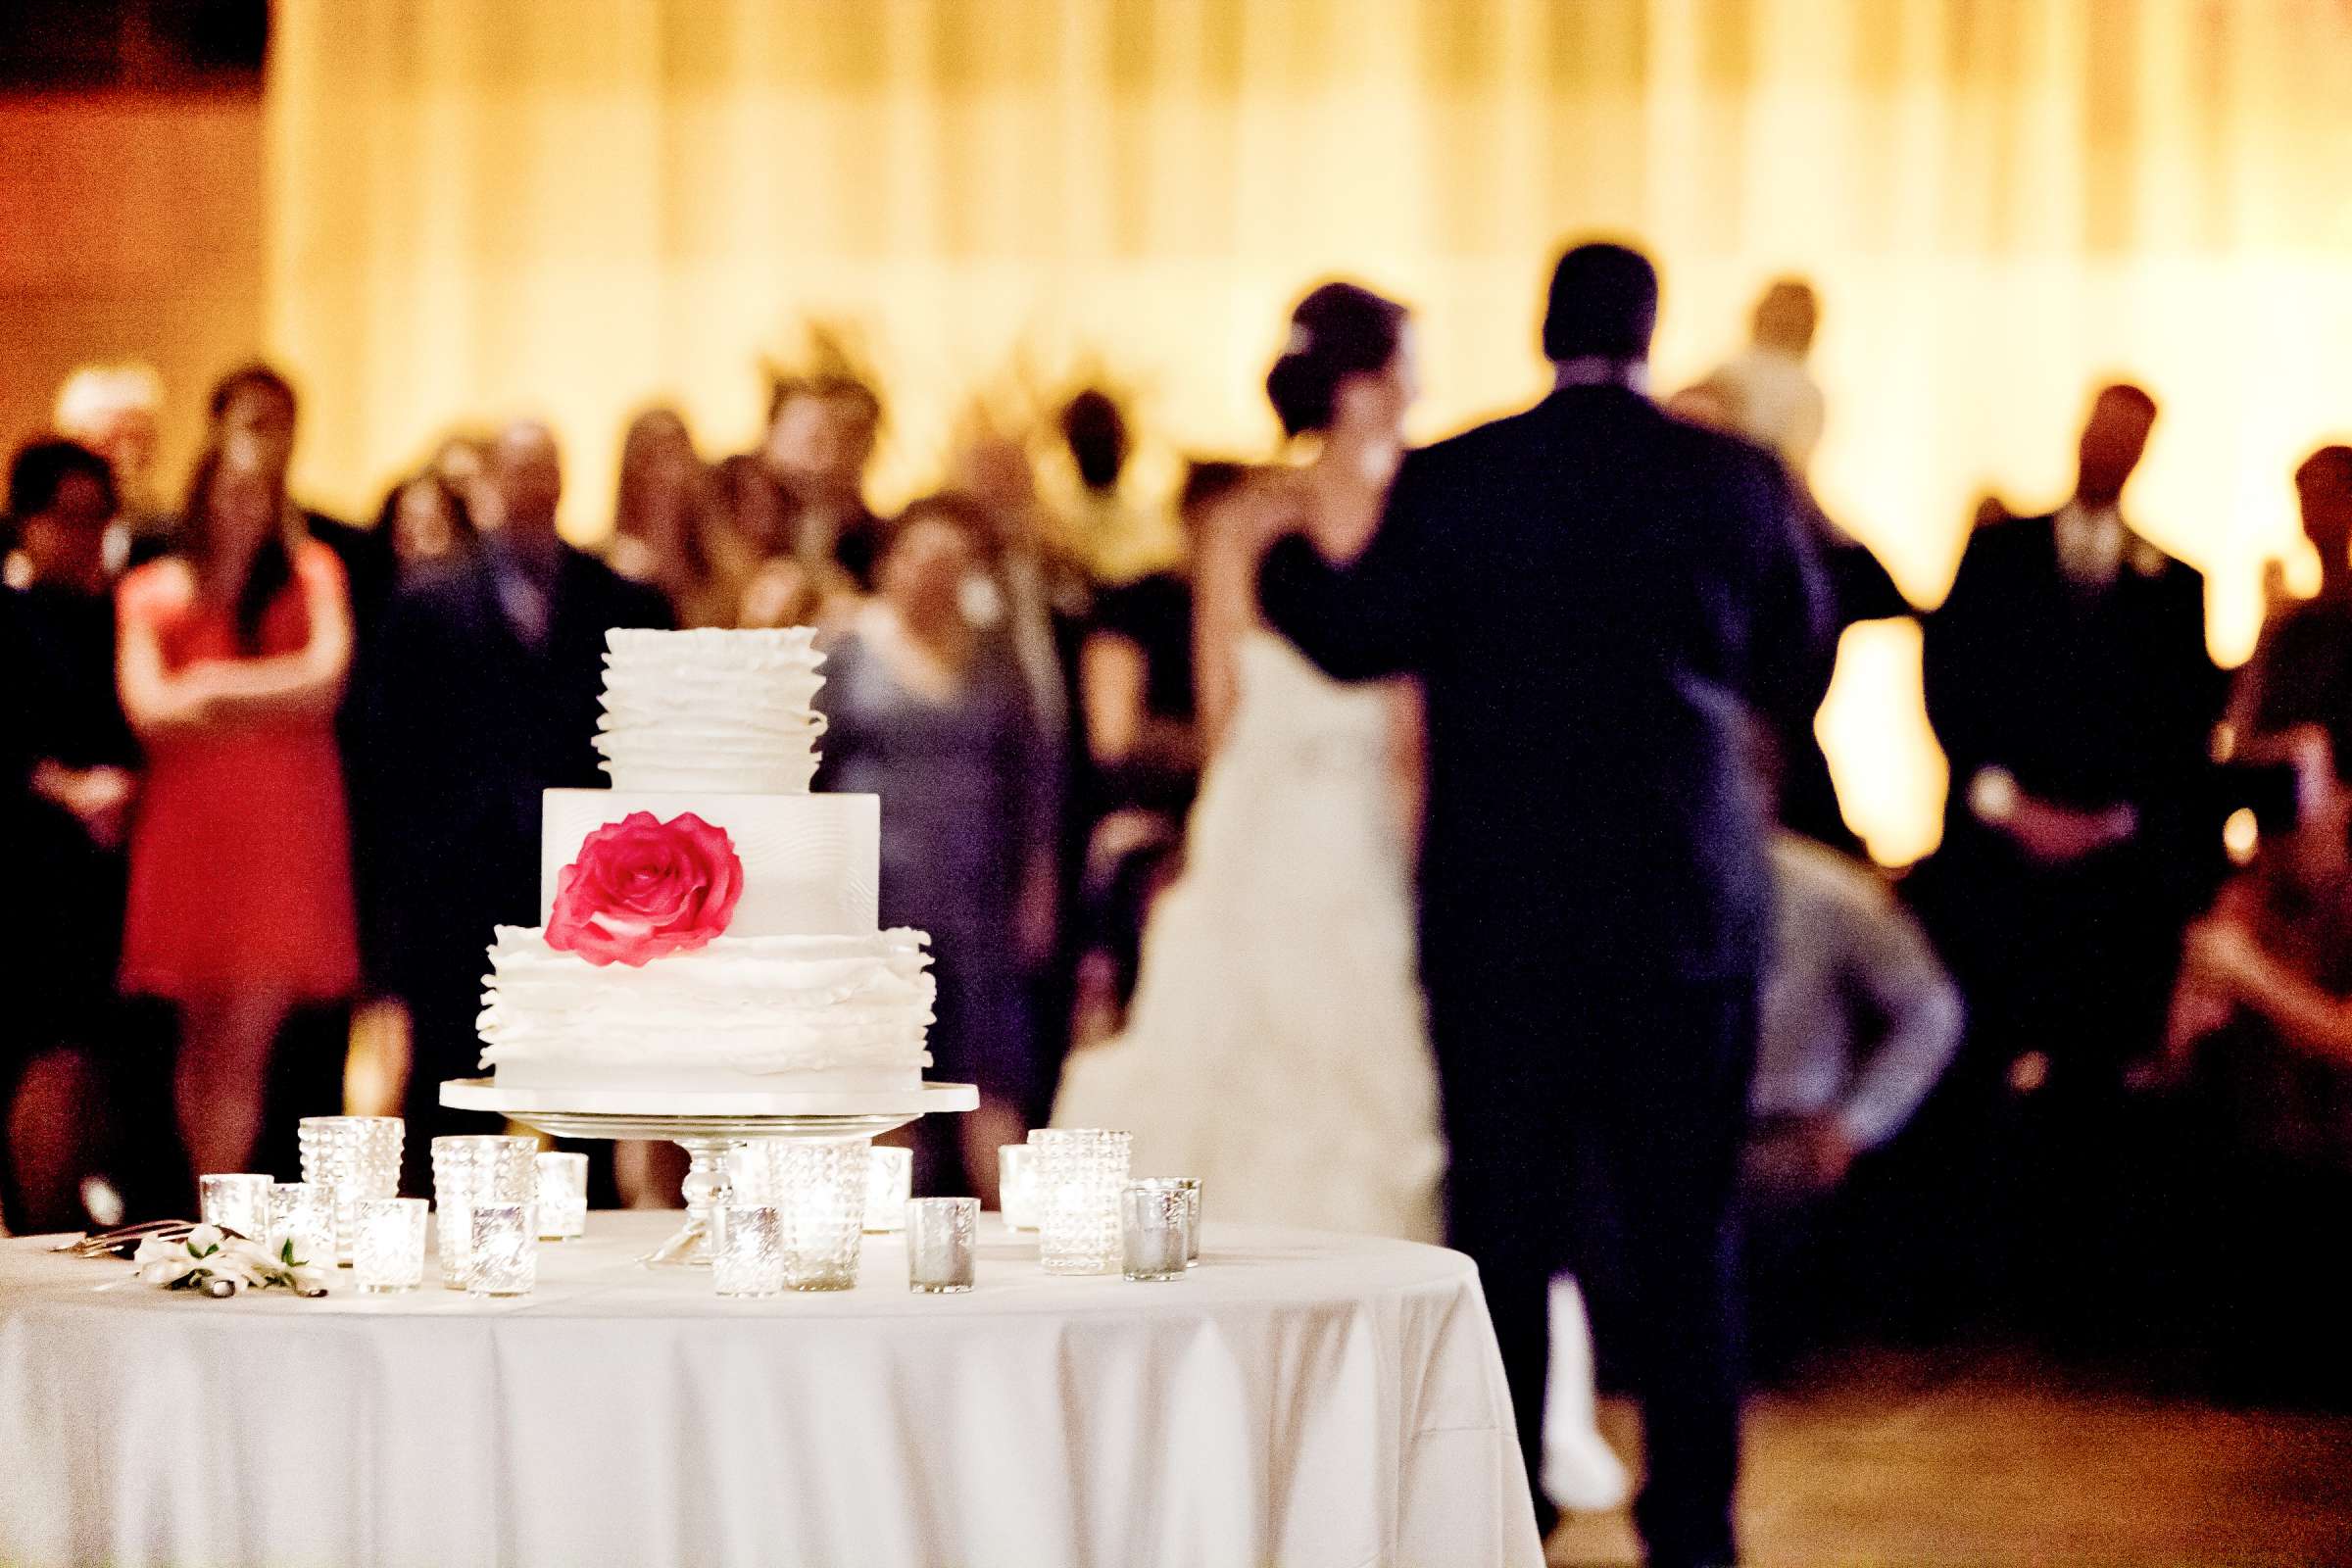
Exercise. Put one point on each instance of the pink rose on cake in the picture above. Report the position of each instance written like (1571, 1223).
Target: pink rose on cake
(642, 887)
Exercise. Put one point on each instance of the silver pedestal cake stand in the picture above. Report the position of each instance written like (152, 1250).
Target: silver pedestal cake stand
(708, 1126)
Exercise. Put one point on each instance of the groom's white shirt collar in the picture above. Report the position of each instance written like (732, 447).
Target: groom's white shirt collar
(1596, 369)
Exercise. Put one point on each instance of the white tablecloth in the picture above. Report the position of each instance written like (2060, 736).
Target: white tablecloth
(1301, 1398)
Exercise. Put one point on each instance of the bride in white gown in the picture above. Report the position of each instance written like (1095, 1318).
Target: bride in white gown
(1276, 1047)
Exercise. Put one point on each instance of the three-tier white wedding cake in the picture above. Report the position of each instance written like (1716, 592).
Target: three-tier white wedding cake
(710, 925)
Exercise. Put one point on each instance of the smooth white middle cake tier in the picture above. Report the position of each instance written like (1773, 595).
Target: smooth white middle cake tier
(811, 864)
(761, 1012)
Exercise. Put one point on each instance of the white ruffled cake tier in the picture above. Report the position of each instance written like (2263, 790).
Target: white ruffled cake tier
(711, 710)
(849, 1013)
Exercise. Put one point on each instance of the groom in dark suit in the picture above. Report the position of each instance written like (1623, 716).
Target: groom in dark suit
(1595, 597)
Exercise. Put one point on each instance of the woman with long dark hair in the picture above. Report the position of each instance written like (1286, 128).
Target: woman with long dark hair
(233, 655)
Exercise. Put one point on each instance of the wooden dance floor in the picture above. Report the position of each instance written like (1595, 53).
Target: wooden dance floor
(1993, 1460)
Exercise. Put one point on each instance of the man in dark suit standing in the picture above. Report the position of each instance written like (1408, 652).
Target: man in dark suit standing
(485, 694)
(2067, 679)
(1595, 597)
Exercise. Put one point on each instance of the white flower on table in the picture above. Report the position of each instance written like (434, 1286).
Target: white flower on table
(219, 1264)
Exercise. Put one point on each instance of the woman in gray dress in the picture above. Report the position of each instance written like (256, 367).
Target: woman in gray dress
(930, 714)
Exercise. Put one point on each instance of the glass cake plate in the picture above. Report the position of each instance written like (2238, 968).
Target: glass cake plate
(709, 1126)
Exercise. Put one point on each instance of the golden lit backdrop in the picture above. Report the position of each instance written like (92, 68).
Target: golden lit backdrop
(571, 206)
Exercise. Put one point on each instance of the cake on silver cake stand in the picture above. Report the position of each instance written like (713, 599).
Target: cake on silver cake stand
(708, 1127)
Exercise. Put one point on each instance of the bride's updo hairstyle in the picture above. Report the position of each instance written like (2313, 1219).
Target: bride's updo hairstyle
(1337, 331)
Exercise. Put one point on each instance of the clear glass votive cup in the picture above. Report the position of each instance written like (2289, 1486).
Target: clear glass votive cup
(236, 1202)
(1156, 1229)
(388, 1253)
(354, 1158)
(1080, 1171)
(303, 1215)
(563, 1196)
(1016, 1186)
(746, 1250)
(502, 1253)
(471, 1168)
(820, 1189)
(889, 1184)
(942, 1234)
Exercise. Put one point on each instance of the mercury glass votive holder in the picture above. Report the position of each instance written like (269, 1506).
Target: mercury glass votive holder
(502, 1252)
(352, 1157)
(388, 1252)
(1191, 1186)
(477, 1168)
(563, 1196)
(942, 1234)
(746, 1250)
(1016, 1186)
(820, 1191)
(889, 1184)
(1156, 1230)
(303, 1213)
(1079, 1174)
(235, 1201)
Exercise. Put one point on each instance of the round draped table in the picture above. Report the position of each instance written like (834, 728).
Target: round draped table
(1301, 1398)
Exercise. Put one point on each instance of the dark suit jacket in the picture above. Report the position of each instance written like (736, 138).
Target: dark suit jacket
(467, 727)
(1594, 595)
(2089, 697)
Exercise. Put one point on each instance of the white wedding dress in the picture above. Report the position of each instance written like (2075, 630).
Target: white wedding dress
(1276, 1047)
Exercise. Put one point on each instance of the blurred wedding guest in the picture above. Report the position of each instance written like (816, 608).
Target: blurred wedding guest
(2301, 672)
(1134, 676)
(1858, 1022)
(424, 519)
(821, 434)
(1774, 400)
(1767, 394)
(1136, 668)
(2262, 1019)
(70, 776)
(485, 696)
(233, 651)
(1115, 539)
(1030, 601)
(254, 406)
(657, 526)
(114, 409)
(922, 712)
(2068, 683)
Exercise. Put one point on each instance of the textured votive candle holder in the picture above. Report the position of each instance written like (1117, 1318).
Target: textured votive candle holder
(942, 1236)
(502, 1253)
(236, 1202)
(889, 1184)
(1156, 1230)
(477, 1168)
(388, 1252)
(820, 1192)
(303, 1213)
(746, 1250)
(1079, 1174)
(352, 1157)
(1191, 1186)
(563, 1196)
(1016, 1186)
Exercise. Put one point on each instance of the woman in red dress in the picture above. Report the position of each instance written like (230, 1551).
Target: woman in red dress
(233, 651)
